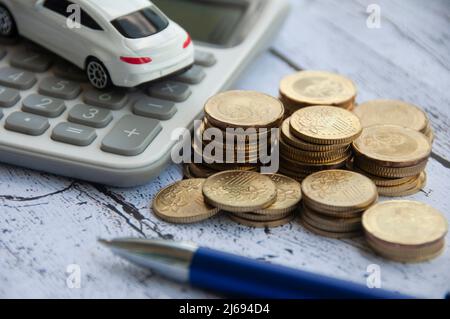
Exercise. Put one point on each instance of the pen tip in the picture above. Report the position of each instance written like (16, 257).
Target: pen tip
(104, 241)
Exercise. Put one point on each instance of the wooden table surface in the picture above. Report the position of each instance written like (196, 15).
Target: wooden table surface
(49, 222)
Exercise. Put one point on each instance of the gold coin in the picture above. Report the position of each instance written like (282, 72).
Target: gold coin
(183, 203)
(243, 109)
(187, 172)
(292, 140)
(263, 218)
(317, 88)
(404, 222)
(339, 191)
(297, 166)
(200, 171)
(403, 254)
(329, 234)
(289, 195)
(392, 146)
(393, 190)
(333, 224)
(325, 125)
(262, 224)
(391, 112)
(240, 191)
(421, 182)
(306, 156)
(381, 181)
(390, 172)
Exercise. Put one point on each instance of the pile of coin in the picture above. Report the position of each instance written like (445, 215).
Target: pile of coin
(235, 134)
(405, 231)
(394, 112)
(333, 202)
(253, 199)
(394, 157)
(316, 138)
(250, 198)
(308, 88)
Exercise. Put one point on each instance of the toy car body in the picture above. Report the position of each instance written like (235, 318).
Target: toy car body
(121, 42)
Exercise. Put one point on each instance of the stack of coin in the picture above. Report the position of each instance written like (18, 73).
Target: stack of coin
(236, 131)
(307, 88)
(333, 202)
(405, 231)
(254, 199)
(394, 112)
(316, 138)
(183, 203)
(394, 157)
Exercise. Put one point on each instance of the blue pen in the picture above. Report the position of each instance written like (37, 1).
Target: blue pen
(236, 276)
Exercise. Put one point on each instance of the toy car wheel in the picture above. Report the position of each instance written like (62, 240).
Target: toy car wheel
(97, 74)
(7, 23)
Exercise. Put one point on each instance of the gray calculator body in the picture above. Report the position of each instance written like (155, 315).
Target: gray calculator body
(52, 120)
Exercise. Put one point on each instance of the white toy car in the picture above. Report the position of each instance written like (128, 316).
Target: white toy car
(120, 42)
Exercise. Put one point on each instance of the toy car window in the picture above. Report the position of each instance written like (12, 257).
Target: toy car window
(58, 6)
(89, 22)
(141, 24)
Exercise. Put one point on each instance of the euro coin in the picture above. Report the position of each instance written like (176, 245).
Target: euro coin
(334, 224)
(405, 223)
(183, 203)
(289, 195)
(243, 109)
(294, 141)
(391, 112)
(338, 191)
(392, 146)
(239, 191)
(317, 88)
(262, 224)
(390, 172)
(325, 125)
(324, 233)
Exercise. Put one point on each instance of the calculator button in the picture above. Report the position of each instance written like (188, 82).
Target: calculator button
(59, 88)
(204, 58)
(8, 97)
(69, 71)
(169, 90)
(31, 61)
(17, 79)
(43, 105)
(26, 123)
(155, 108)
(90, 116)
(192, 76)
(74, 134)
(111, 100)
(131, 135)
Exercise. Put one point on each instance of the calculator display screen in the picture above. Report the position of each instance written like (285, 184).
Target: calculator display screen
(211, 22)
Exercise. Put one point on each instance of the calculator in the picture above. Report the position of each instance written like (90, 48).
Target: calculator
(52, 120)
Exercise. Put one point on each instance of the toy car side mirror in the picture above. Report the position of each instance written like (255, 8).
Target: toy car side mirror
(38, 4)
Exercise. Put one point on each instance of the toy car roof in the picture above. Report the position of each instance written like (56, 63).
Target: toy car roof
(111, 10)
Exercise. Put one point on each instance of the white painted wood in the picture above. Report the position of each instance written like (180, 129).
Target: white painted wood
(407, 58)
(48, 222)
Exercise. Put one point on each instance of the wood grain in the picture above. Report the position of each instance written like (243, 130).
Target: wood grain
(49, 222)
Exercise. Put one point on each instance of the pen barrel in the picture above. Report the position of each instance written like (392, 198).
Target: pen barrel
(238, 276)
